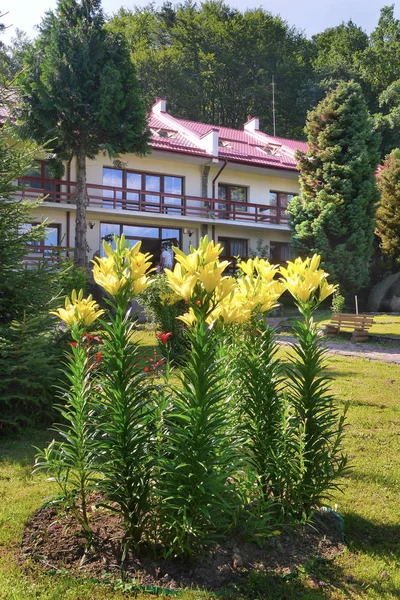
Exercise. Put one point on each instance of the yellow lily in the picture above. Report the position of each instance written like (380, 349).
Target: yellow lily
(109, 281)
(225, 287)
(139, 285)
(182, 283)
(78, 310)
(188, 318)
(247, 266)
(326, 289)
(210, 275)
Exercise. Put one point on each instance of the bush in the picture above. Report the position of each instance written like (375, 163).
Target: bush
(337, 301)
(29, 369)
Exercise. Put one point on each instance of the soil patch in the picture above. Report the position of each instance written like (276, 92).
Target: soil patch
(52, 539)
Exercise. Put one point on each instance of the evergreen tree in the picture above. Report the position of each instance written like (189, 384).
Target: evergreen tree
(79, 89)
(20, 288)
(335, 216)
(388, 213)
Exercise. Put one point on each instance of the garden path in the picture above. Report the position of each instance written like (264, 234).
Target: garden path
(389, 353)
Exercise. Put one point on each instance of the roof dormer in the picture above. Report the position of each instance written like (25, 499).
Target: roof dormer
(271, 148)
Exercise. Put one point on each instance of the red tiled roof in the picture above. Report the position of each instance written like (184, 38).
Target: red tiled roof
(241, 145)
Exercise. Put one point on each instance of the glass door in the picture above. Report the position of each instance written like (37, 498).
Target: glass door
(173, 204)
(152, 201)
(133, 182)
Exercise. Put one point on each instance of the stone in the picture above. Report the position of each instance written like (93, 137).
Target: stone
(385, 295)
(391, 301)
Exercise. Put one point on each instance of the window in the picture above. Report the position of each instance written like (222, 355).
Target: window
(279, 252)
(51, 239)
(280, 200)
(151, 237)
(142, 191)
(231, 193)
(233, 247)
(40, 171)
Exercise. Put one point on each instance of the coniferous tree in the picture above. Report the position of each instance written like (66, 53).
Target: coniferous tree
(388, 213)
(335, 216)
(79, 89)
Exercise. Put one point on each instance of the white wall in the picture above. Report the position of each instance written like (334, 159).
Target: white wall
(259, 182)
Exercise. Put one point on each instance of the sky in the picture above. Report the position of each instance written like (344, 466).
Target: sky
(310, 16)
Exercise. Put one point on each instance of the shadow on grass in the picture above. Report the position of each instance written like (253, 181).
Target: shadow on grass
(20, 448)
(317, 579)
(371, 537)
(271, 586)
(376, 479)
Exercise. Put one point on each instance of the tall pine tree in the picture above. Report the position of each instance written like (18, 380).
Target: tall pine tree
(335, 216)
(79, 89)
(388, 213)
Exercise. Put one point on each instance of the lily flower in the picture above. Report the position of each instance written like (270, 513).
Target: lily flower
(78, 310)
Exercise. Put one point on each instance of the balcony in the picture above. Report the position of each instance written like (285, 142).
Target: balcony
(45, 254)
(144, 201)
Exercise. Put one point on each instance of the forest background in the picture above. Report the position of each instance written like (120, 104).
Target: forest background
(217, 64)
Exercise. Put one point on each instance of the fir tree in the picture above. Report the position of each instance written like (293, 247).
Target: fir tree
(388, 214)
(79, 89)
(335, 216)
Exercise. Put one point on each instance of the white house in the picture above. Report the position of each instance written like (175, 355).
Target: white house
(233, 185)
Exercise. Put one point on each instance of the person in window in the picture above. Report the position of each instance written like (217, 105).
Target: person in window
(166, 257)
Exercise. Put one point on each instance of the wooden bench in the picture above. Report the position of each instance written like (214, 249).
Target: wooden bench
(359, 323)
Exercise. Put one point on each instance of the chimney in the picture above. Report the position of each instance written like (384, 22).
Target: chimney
(252, 124)
(160, 106)
(209, 141)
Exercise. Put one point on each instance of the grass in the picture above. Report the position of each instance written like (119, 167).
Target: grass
(369, 568)
(385, 324)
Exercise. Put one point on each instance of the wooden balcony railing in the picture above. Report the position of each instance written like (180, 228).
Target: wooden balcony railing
(36, 253)
(127, 199)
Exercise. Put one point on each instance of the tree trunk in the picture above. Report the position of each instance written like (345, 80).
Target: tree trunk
(80, 254)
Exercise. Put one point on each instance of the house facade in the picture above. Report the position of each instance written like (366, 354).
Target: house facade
(233, 185)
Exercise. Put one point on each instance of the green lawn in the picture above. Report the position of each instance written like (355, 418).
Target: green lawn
(370, 504)
(385, 324)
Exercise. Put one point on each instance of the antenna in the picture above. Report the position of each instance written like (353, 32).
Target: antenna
(273, 105)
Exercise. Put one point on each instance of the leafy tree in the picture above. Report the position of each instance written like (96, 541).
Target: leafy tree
(336, 50)
(380, 60)
(379, 67)
(388, 213)
(335, 216)
(16, 51)
(215, 63)
(79, 89)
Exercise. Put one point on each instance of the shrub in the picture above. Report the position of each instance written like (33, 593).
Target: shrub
(337, 301)
(29, 361)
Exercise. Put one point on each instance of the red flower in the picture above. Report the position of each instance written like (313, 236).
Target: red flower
(73, 344)
(98, 356)
(146, 369)
(198, 303)
(163, 337)
(93, 338)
